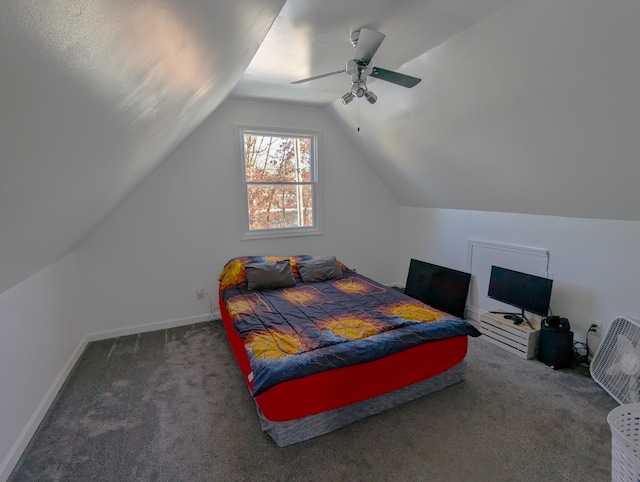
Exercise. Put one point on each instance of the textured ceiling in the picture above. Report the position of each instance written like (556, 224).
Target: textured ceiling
(534, 109)
(311, 38)
(526, 106)
(94, 95)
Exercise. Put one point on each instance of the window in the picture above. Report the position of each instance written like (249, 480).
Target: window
(280, 173)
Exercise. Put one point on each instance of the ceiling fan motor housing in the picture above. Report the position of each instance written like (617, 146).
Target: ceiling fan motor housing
(352, 67)
(359, 73)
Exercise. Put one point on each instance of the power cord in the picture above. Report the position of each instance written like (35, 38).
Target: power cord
(581, 353)
(592, 329)
(210, 307)
(580, 358)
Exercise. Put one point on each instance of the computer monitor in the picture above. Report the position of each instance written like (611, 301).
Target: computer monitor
(525, 291)
(443, 288)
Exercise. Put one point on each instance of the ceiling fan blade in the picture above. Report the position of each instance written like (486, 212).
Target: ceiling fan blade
(318, 76)
(368, 43)
(394, 77)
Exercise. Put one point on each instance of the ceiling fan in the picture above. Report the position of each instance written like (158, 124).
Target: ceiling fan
(366, 42)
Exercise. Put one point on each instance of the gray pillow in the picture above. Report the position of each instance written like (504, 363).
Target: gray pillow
(269, 275)
(319, 269)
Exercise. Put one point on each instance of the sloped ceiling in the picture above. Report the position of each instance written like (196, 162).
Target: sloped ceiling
(535, 109)
(526, 106)
(310, 38)
(93, 95)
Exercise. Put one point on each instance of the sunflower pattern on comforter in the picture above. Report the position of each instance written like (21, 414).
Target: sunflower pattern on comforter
(312, 327)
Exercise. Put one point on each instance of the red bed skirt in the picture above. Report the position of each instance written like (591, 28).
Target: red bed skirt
(340, 387)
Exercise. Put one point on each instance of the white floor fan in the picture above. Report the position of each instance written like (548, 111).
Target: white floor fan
(616, 368)
(616, 364)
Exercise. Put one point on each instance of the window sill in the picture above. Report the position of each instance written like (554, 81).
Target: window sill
(280, 233)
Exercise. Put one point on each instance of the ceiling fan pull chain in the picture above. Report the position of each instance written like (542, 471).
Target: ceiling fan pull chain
(358, 115)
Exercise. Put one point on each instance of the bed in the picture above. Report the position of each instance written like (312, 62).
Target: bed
(321, 346)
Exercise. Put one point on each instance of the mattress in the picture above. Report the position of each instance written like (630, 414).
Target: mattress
(332, 372)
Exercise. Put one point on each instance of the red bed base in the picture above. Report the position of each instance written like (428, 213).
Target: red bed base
(321, 392)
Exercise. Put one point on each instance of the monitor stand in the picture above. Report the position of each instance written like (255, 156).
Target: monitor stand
(517, 317)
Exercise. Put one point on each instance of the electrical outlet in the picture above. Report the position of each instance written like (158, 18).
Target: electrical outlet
(199, 294)
(594, 336)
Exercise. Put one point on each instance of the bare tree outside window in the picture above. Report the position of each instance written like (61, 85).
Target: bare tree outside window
(280, 179)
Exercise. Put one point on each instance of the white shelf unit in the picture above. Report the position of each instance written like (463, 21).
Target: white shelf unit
(518, 339)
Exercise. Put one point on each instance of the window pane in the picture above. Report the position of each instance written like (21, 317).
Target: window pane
(277, 158)
(273, 206)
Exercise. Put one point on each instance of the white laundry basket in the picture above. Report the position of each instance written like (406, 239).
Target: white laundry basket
(625, 442)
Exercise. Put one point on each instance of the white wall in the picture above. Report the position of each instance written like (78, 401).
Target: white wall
(42, 335)
(178, 229)
(534, 109)
(139, 269)
(595, 263)
(94, 102)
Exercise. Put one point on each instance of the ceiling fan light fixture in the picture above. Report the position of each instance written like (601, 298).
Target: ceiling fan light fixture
(359, 91)
(346, 98)
(371, 97)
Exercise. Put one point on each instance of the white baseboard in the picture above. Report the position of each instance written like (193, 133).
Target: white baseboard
(473, 313)
(12, 458)
(157, 325)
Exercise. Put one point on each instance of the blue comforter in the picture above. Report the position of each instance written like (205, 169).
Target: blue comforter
(312, 327)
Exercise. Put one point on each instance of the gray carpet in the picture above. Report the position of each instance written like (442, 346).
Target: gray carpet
(172, 405)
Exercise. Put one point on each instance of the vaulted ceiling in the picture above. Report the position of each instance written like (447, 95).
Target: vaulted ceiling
(526, 106)
(310, 38)
(93, 95)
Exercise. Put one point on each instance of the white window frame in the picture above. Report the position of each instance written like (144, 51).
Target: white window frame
(282, 232)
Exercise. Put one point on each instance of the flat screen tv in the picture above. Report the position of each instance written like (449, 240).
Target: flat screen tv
(525, 291)
(443, 288)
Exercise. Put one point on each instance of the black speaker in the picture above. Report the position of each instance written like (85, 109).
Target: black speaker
(555, 347)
